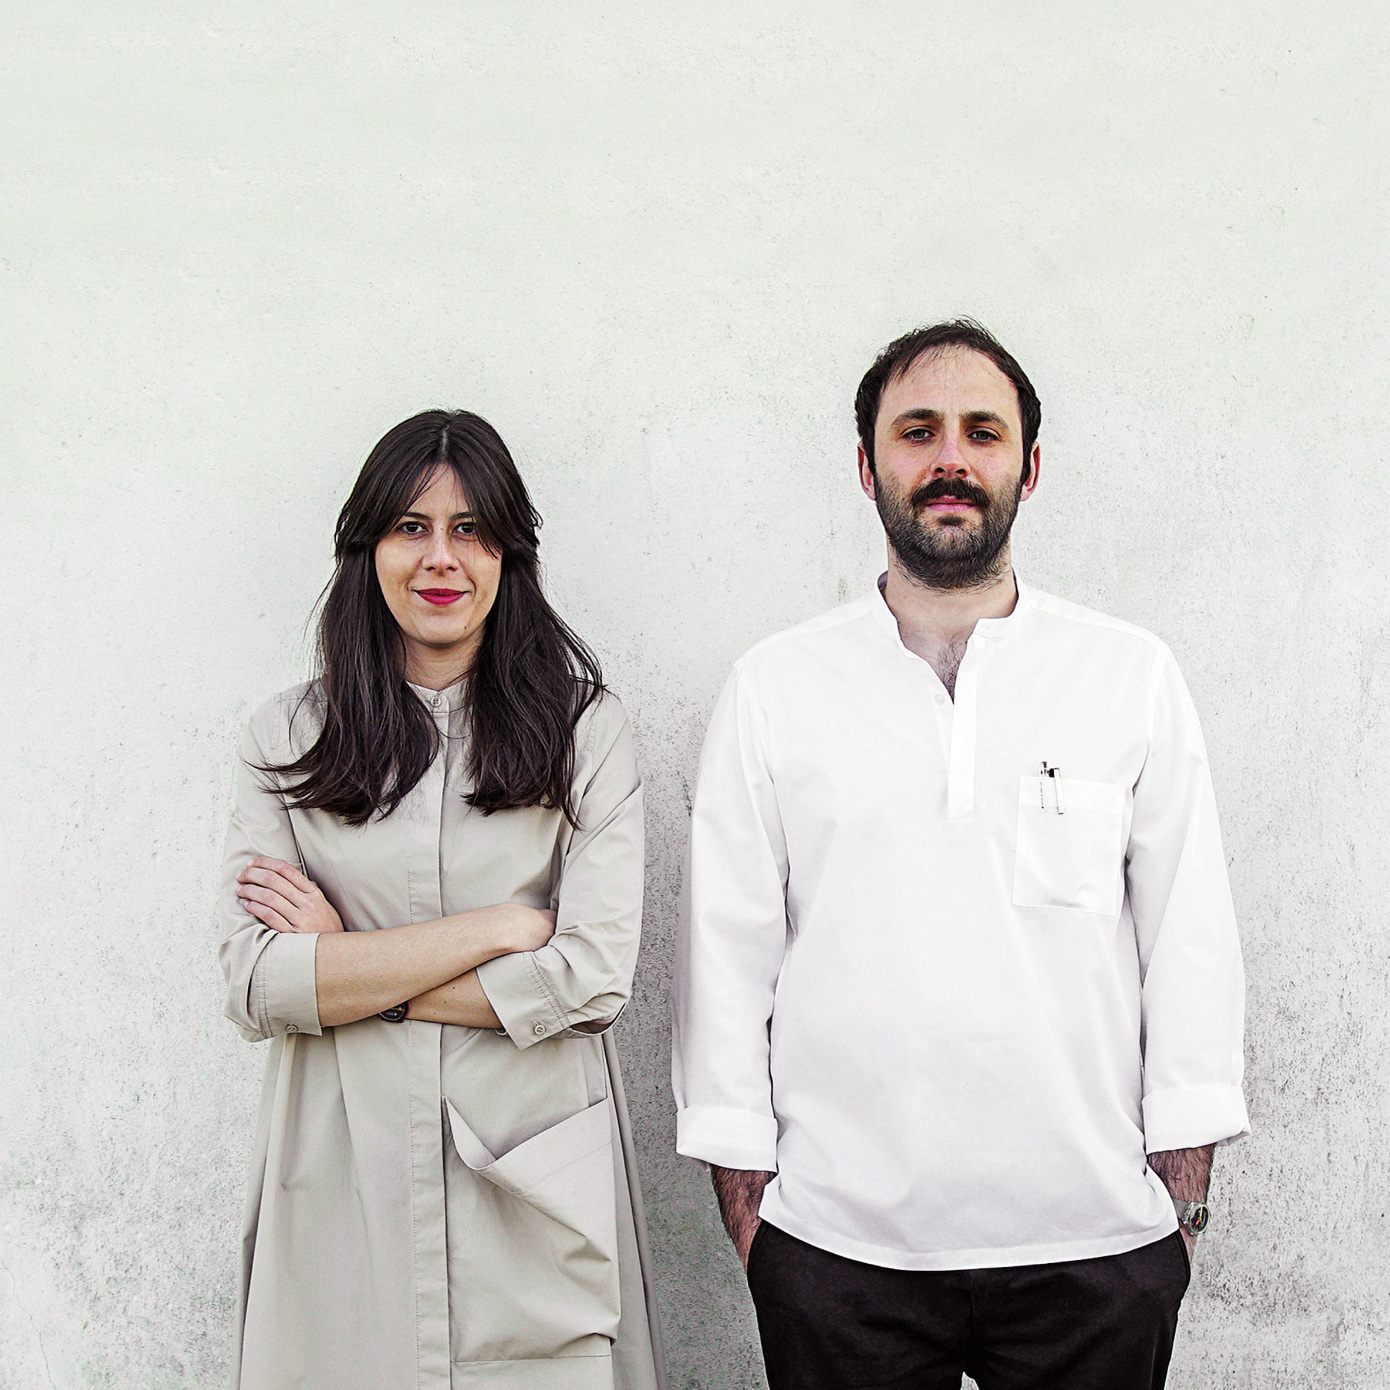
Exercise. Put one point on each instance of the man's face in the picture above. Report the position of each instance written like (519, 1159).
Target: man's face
(948, 468)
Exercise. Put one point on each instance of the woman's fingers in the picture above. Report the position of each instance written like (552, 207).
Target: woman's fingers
(296, 899)
(305, 885)
(268, 897)
(269, 916)
(275, 879)
(263, 864)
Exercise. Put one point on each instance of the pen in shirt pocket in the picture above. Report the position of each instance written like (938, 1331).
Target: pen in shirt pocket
(1054, 774)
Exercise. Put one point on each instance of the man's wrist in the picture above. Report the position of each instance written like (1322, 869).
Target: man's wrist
(1193, 1217)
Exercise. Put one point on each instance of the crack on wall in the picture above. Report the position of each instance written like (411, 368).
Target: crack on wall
(19, 1303)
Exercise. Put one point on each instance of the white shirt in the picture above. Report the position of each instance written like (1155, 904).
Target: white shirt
(949, 1001)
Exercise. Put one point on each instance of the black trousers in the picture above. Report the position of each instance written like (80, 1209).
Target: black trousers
(828, 1323)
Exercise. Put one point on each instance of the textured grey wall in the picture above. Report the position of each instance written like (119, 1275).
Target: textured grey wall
(657, 245)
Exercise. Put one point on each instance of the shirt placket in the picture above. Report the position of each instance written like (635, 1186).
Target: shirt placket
(960, 776)
(426, 1124)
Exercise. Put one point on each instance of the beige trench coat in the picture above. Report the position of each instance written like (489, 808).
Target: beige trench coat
(433, 1206)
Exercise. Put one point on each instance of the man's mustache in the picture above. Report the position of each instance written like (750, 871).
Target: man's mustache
(949, 487)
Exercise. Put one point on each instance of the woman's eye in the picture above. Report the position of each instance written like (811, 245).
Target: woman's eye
(410, 528)
(467, 528)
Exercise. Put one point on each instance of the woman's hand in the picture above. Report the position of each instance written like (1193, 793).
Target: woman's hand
(516, 927)
(283, 898)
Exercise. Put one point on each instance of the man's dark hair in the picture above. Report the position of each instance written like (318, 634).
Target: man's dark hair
(899, 357)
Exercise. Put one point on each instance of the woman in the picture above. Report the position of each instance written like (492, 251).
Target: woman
(431, 902)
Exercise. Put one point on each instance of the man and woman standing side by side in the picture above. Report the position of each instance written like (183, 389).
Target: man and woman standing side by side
(957, 952)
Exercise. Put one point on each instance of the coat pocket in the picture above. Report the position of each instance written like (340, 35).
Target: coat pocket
(554, 1262)
(1070, 851)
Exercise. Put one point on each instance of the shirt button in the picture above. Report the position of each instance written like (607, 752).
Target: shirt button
(435, 702)
(539, 1030)
(291, 1028)
(940, 699)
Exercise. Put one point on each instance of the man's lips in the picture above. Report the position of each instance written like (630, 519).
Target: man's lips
(440, 597)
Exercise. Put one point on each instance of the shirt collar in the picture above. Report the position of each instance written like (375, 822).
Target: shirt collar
(450, 698)
(990, 628)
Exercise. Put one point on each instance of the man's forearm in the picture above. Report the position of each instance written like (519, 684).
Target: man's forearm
(1185, 1172)
(739, 1192)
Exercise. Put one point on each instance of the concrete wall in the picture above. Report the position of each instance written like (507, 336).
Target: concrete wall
(657, 245)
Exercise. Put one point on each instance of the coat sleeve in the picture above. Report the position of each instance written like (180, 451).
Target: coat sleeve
(1192, 1004)
(584, 974)
(270, 975)
(733, 935)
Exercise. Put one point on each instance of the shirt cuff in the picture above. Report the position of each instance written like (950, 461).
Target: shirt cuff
(728, 1138)
(1191, 1116)
(516, 988)
(284, 993)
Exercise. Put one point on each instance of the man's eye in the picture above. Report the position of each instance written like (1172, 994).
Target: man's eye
(983, 436)
(917, 434)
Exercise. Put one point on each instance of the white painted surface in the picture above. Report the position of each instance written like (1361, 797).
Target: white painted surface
(657, 246)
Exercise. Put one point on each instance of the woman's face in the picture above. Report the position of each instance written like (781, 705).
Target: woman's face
(439, 581)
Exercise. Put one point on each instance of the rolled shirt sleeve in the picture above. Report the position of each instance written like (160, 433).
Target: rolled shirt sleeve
(578, 984)
(732, 940)
(1192, 1007)
(271, 986)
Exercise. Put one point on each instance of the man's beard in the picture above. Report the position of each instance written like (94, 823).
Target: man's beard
(949, 555)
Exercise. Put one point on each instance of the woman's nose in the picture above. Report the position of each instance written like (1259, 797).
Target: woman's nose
(440, 555)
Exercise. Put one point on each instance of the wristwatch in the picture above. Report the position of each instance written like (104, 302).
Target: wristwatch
(1192, 1216)
(395, 1015)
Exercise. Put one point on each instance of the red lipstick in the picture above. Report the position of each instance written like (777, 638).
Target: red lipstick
(440, 597)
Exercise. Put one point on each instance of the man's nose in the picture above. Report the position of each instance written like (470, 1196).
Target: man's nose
(949, 460)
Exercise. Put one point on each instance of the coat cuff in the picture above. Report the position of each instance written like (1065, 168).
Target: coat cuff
(727, 1137)
(284, 993)
(1191, 1116)
(516, 988)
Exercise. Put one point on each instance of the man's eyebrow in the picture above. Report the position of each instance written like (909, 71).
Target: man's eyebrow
(935, 417)
(927, 417)
(984, 417)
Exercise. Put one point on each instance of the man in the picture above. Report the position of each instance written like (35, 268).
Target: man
(959, 997)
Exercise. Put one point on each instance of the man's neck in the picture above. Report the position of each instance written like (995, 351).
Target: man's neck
(936, 624)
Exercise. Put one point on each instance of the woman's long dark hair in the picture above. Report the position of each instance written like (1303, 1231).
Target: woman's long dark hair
(531, 679)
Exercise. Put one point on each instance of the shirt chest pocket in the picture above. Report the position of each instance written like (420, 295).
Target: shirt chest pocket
(1070, 845)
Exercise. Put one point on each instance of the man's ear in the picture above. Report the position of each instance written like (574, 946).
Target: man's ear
(1034, 468)
(866, 475)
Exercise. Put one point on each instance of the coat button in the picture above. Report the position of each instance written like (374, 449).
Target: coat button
(539, 1030)
(291, 1028)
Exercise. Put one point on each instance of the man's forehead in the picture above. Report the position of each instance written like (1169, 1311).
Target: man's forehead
(954, 379)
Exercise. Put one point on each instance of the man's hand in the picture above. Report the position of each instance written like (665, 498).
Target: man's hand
(283, 898)
(739, 1192)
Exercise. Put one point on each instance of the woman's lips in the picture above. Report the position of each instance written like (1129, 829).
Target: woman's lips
(440, 597)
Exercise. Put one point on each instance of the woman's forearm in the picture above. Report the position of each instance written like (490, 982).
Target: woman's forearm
(357, 974)
(460, 1001)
